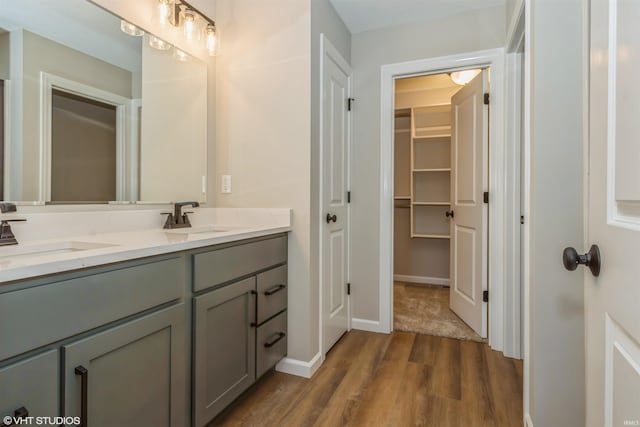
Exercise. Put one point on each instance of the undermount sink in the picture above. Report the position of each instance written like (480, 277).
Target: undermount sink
(44, 249)
(199, 230)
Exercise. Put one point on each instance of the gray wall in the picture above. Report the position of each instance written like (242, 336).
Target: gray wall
(556, 219)
(4, 56)
(482, 29)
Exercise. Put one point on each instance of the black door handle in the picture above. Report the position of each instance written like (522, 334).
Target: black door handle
(449, 214)
(571, 259)
(18, 414)
(330, 218)
(84, 378)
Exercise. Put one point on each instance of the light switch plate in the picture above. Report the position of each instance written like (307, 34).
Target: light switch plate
(226, 184)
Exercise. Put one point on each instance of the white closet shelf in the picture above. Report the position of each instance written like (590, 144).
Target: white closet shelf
(431, 236)
(431, 203)
(432, 136)
(402, 197)
(433, 170)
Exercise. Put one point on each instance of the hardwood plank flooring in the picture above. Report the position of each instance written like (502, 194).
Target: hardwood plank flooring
(401, 379)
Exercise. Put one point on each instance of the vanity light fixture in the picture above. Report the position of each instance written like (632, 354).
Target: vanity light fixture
(157, 43)
(180, 55)
(463, 77)
(194, 23)
(212, 40)
(130, 29)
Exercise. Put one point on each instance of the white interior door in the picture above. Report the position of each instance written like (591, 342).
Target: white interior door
(612, 300)
(336, 87)
(469, 148)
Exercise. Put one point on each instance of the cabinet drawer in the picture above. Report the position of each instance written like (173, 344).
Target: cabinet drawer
(272, 292)
(67, 306)
(223, 265)
(271, 343)
(31, 384)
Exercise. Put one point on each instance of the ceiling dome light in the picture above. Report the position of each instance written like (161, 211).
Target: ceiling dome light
(463, 77)
(159, 44)
(130, 29)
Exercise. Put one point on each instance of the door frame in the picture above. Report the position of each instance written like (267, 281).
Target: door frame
(498, 250)
(49, 82)
(328, 49)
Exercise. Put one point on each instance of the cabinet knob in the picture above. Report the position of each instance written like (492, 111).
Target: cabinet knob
(449, 214)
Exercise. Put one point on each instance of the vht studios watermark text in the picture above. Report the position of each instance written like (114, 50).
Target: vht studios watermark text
(41, 421)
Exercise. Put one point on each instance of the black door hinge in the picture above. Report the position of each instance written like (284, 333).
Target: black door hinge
(485, 197)
(350, 102)
(348, 288)
(486, 99)
(522, 219)
(485, 296)
(348, 196)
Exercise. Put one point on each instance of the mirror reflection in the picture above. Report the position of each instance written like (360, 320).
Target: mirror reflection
(92, 114)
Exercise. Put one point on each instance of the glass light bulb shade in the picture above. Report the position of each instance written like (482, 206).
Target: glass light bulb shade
(179, 55)
(465, 76)
(159, 44)
(164, 11)
(189, 22)
(211, 40)
(130, 29)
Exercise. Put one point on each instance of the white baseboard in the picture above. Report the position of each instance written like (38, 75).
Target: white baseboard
(367, 325)
(300, 368)
(421, 279)
(527, 421)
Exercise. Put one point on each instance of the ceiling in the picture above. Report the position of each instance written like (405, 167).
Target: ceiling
(365, 15)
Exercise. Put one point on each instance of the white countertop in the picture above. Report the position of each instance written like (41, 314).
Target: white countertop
(237, 224)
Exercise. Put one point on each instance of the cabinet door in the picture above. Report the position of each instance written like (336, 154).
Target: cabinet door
(224, 347)
(131, 375)
(30, 387)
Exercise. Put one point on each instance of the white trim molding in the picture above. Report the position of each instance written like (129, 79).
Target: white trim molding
(494, 59)
(300, 368)
(368, 325)
(49, 82)
(527, 421)
(423, 280)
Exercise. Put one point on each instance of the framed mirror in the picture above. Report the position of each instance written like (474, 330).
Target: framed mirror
(95, 110)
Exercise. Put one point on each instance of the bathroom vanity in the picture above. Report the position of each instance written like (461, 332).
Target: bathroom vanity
(162, 340)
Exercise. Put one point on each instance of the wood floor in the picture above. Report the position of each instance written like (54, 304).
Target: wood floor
(402, 379)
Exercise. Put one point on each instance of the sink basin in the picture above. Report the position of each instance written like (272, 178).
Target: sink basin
(199, 230)
(44, 249)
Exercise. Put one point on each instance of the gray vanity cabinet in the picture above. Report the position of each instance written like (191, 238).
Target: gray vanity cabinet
(130, 375)
(224, 347)
(31, 385)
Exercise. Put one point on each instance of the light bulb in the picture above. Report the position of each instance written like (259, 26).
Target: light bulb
(130, 29)
(212, 40)
(159, 44)
(164, 11)
(463, 77)
(189, 24)
(180, 55)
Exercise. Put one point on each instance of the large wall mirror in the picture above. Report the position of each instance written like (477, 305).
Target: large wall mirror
(91, 114)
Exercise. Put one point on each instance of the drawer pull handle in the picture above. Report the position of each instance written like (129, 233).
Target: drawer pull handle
(279, 336)
(18, 414)
(84, 378)
(275, 289)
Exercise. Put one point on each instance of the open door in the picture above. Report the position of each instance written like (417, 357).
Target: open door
(469, 151)
(612, 298)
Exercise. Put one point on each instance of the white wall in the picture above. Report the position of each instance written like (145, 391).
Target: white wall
(556, 219)
(483, 29)
(512, 9)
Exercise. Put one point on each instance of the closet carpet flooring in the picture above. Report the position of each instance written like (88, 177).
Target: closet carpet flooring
(424, 309)
(397, 380)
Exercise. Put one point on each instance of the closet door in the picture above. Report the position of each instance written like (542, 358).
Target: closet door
(469, 150)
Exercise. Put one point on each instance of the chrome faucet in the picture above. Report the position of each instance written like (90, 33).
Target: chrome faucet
(178, 219)
(6, 234)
